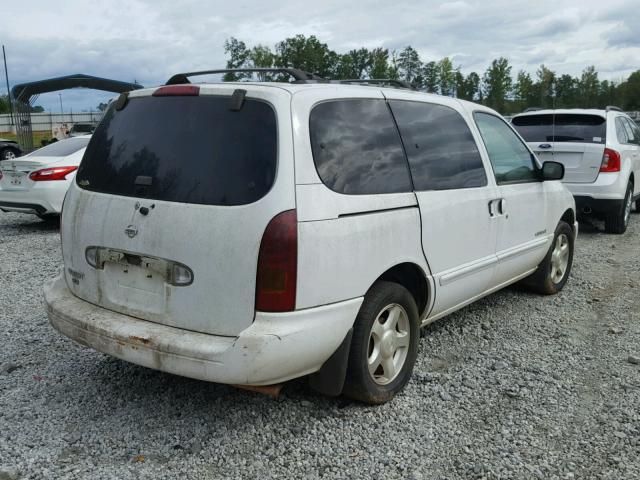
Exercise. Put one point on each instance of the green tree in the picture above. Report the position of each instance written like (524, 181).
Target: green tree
(409, 65)
(588, 87)
(629, 92)
(467, 87)
(430, 77)
(238, 56)
(524, 91)
(378, 63)
(496, 84)
(4, 104)
(446, 77)
(353, 64)
(308, 54)
(545, 87)
(566, 89)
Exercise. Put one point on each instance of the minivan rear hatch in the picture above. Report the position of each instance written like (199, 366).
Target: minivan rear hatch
(577, 140)
(174, 192)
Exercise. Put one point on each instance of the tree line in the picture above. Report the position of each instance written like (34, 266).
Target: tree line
(496, 87)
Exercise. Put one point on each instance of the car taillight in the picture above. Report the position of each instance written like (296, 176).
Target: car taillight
(55, 173)
(177, 90)
(610, 161)
(278, 264)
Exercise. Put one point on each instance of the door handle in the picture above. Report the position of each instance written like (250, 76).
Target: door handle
(544, 145)
(497, 207)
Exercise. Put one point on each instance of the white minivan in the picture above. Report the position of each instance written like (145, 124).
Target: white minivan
(251, 233)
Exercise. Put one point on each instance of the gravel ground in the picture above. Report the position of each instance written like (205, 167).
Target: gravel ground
(514, 386)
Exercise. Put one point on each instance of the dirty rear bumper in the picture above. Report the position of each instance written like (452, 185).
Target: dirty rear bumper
(275, 348)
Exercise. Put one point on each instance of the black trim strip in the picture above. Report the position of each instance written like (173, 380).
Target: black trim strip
(381, 210)
(38, 208)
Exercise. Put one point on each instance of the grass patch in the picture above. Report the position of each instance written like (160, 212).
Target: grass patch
(37, 137)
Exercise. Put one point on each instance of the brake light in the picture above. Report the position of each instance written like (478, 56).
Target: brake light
(177, 90)
(610, 161)
(278, 264)
(55, 173)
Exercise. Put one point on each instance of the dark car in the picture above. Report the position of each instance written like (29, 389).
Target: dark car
(9, 149)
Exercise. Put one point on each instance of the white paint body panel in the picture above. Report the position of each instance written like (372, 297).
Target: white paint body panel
(345, 243)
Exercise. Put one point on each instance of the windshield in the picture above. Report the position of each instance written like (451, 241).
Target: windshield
(62, 148)
(190, 149)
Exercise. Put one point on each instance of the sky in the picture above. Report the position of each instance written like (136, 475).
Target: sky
(149, 40)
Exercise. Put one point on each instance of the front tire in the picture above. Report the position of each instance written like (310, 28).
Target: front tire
(384, 346)
(8, 154)
(553, 272)
(617, 222)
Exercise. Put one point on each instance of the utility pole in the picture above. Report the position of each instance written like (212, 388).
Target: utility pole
(6, 76)
(60, 95)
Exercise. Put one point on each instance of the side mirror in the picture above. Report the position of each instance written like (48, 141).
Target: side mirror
(552, 171)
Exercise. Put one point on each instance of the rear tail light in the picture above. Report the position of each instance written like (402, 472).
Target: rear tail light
(610, 161)
(55, 173)
(177, 90)
(278, 264)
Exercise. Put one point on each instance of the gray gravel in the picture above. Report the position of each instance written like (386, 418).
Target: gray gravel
(514, 386)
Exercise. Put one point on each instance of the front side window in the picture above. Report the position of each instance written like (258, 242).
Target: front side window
(356, 147)
(511, 160)
(441, 150)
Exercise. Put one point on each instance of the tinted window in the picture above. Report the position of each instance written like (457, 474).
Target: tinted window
(561, 127)
(632, 131)
(511, 160)
(82, 128)
(621, 132)
(579, 128)
(442, 152)
(356, 147)
(190, 149)
(61, 148)
(535, 128)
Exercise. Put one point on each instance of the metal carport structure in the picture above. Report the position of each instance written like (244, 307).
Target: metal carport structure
(25, 95)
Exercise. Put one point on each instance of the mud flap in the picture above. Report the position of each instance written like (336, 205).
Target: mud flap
(329, 380)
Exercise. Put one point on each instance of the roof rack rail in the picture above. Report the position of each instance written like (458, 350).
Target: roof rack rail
(392, 82)
(613, 108)
(532, 109)
(298, 75)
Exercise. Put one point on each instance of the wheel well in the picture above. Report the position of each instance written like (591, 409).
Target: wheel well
(411, 277)
(569, 217)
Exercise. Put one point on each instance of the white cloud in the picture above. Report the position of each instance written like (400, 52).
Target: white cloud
(148, 40)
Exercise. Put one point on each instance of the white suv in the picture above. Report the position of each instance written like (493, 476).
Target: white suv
(600, 150)
(252, 233)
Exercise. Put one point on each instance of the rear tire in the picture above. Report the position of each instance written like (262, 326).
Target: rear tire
(384, 346)
(617, 222)
(553, 272)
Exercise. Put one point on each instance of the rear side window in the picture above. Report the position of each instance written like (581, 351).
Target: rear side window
(61, 148)
(632, 131)
(356, 147)
(441, 149)
(579, 128)
(561, 127)
(510, 158)
(184, 149)
(621, 131)
(534, 128)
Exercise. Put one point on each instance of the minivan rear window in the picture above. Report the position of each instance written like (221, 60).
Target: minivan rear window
(188, 149)
(561, 127)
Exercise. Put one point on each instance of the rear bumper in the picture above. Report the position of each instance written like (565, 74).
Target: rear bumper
(43, 199)
(275, 348)
(597, 206)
